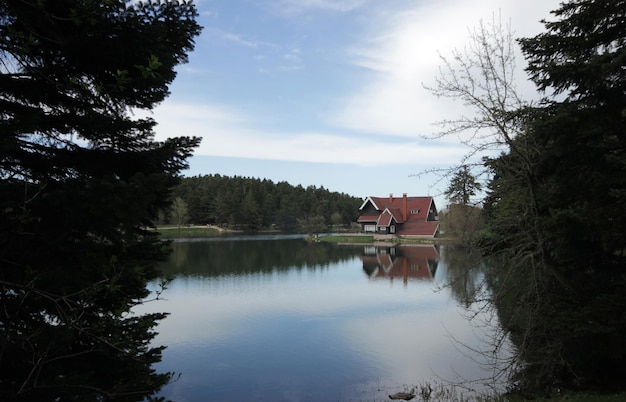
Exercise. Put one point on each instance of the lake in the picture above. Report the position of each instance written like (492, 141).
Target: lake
(277, 318)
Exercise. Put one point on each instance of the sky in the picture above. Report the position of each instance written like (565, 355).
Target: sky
(329, 92)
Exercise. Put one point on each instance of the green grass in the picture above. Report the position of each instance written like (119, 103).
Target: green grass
(347, 239)
(370, 239)
(174, 232)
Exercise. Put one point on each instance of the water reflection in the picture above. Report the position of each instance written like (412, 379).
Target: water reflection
(287, 320)
(464, 274)
(252, 255)
(401, 261)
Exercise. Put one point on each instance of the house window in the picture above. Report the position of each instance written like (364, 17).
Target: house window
(415, 211)
(382, 228)
(369, 228)
(392, 228)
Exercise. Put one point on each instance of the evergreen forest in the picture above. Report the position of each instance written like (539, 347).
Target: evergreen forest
(246, 203)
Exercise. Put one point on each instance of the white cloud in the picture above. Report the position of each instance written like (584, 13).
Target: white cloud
(231, 37)
(294, 6)
(293, 55)
(401, 53)
(231, 134)
(381, 120)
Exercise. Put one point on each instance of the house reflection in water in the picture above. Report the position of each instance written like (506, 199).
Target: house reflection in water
(401, 261)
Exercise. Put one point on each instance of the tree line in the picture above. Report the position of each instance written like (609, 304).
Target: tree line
(251, 204)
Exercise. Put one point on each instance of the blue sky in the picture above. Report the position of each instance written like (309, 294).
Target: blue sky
(328, 92)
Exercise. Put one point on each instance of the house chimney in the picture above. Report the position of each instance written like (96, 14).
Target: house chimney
(405, 212)
(390, 198)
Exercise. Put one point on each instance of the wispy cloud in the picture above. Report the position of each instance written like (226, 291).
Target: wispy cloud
(231, 134)
(291, 60)
(380, 115)
(271, 57)
(295, 6)
(400, 53)
(293, 55)
(231, 37)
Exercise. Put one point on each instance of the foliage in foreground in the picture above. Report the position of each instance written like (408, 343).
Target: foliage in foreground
(80, 177)
(554, 213)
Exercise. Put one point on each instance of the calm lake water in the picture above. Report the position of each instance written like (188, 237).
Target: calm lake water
(274, 318)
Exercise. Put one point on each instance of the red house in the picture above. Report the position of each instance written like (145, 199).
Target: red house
(406, 216)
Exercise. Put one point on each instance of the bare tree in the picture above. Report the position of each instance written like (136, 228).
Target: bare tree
(482, 77)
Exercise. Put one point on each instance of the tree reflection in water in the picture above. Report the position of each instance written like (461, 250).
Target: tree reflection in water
(243, 255)
(464, 276)
(341, 307)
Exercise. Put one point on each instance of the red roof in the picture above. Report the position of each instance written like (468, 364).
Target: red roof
(397, 214)
(412, 214)
(368, 218)
(428, 228)
(418, 205)
(384, 220)
(386, 262)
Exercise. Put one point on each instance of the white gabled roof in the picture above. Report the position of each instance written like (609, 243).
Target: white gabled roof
(369, 199)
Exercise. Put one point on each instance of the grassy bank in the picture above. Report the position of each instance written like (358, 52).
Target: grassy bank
(174, 232)
(347, 239)
(370, 239)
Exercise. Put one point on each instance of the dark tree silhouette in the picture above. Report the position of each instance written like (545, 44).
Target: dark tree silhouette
(80, 180)
(555, 211)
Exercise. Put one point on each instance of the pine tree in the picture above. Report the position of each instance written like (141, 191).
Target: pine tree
(463, 185)
(80, 180)
(555, 209)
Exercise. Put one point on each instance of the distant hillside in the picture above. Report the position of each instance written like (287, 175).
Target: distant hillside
(250, 203)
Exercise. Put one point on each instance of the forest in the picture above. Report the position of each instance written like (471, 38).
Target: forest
(246, 203)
